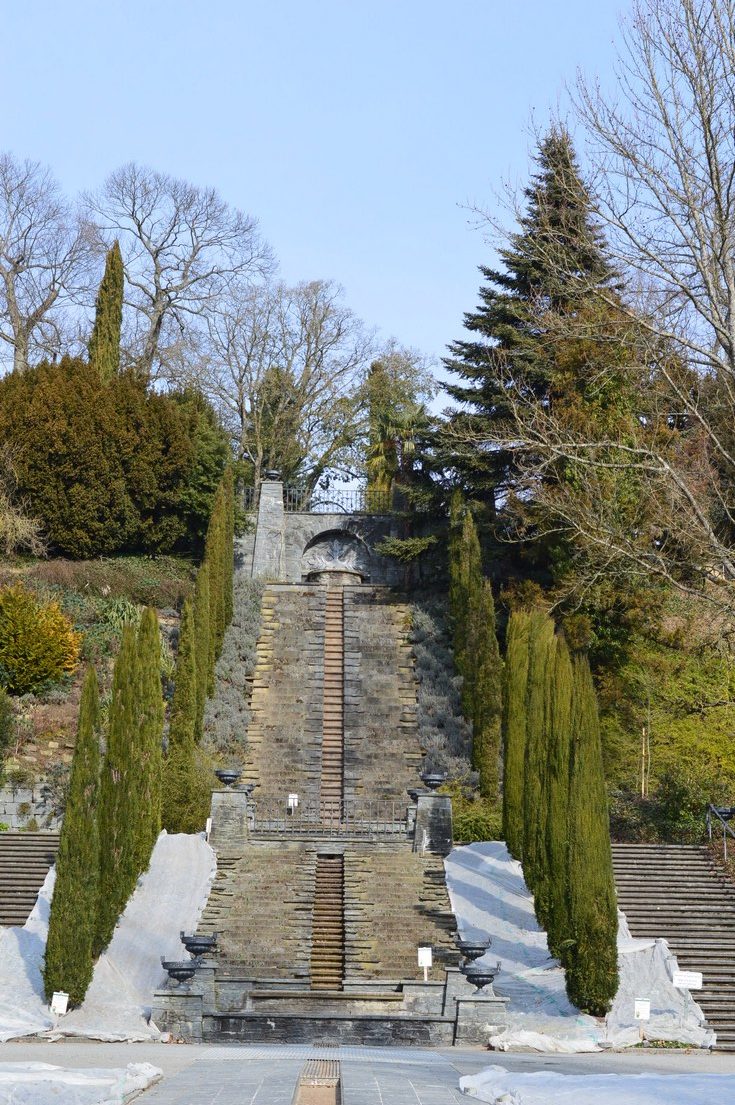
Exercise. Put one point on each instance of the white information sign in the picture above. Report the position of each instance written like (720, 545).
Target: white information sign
(59, 1003)
(293, 801)
(687, 980)
(425, 957)
(642, 1009)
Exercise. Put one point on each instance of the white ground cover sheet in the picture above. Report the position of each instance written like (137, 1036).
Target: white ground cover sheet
(169, 898)
(502, 1087)
(489, 896)
(43, 1084)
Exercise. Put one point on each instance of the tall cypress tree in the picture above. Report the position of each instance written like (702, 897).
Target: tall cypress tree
(540, 648)
(119, 809)
(554, 262)
(104, 343)
(559, 706)
(591, 961)
(514, 729)
(457, 582)
(228, 483)
(147, 738)
(472, 581)
(69, 962)
(487, 694)
(202, 646)
(182, 810)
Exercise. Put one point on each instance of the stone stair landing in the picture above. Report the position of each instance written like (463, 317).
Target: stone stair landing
(677, 892)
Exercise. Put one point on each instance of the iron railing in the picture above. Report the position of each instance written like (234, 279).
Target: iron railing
(723, 814)
(359, 500)
(249, 499)
(376, 818)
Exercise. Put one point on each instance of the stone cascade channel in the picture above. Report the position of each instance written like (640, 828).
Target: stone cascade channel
(331, 790)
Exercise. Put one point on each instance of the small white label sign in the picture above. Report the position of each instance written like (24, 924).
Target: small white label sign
(642, 1009)
(425, 957)
(687, 980)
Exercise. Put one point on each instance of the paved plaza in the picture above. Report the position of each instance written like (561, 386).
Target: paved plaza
(260, 1075)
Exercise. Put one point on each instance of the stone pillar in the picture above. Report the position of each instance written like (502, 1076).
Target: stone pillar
(479, 1017)
(231, 814)
(433, 831)
(270, 528)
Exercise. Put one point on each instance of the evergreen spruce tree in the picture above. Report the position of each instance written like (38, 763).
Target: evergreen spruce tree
(202, 647)
(556, 259)
(487, 694)
(559, 707)
(69, 960)
(182, 808)
(104, 343)
(591, 961)
(119, 809)
(514, 729)
(540, 651)
(147, 738)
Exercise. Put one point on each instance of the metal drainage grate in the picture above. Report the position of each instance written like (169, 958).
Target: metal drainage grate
(319, 1083)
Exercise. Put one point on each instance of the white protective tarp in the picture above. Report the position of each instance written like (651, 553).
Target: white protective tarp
(41, 1084)
(502, 1087)
(489, 896)
(169, 898)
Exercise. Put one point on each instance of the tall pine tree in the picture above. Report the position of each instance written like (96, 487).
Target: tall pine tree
(104, 343)
(514, 729)
(554, 262)
(69, 961)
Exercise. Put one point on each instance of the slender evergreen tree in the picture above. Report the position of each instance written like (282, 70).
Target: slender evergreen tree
(228, 556)
(104, 343)
(472, 581)
(457, 582)
(147, 738)
(487, 694)
(559, 707)
(182, 810)
(69, 961)
(202, 646)
(591, 960)
(119, 807)
(540, 645)
(514, 729)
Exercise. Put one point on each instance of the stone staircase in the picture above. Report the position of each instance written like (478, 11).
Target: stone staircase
(328, 926)
(678, 893)
(320, 907)
(25, 859)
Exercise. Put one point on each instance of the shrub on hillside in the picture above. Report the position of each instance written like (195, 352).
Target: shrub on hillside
(106, 465)
(226, 715)
(37, 641)
(7, 727)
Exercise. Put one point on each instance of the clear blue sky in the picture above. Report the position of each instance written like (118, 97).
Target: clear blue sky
(355, 130)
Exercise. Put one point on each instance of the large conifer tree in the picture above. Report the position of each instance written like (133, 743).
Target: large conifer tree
(69, 961)
(104, 343)
(591, 961)
(555, 261)
(514, 729)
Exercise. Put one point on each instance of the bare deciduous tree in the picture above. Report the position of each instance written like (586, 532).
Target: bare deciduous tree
(183, 247)
(46, 257)
(284, 366)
